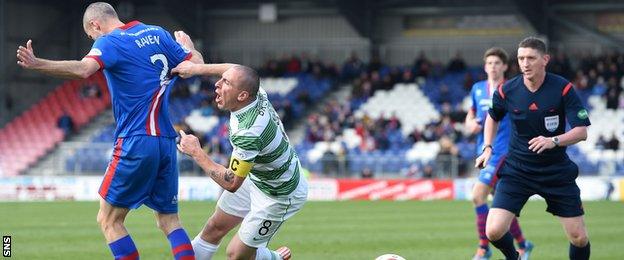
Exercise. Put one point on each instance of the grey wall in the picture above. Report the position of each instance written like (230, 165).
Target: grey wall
(399, 48)
(247, 41)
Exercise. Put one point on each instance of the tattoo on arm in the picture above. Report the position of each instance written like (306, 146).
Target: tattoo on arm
(228, 175)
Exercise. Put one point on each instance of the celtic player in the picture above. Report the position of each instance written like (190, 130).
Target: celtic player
(263, 183)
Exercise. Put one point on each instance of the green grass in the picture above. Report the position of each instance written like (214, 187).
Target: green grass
(322, 230)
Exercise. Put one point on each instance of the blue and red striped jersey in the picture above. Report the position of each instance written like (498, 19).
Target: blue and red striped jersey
(481, 97)
(137, 60)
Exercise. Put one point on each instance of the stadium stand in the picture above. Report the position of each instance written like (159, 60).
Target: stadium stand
(192, 109)
(374, 130)
(430, 119)
(34, 133)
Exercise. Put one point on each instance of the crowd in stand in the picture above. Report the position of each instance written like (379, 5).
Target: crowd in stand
(597, 75)
(216, 142)
(592, 75)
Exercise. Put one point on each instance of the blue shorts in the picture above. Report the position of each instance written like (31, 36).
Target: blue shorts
(489, 174)
(515, 187)
(143, 170)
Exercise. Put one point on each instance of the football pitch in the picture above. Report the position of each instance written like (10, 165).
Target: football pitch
(322, 230)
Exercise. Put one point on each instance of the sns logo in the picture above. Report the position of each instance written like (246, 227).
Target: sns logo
(6, 246)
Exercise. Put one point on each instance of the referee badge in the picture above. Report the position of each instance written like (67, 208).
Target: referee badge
(582, 114)
(551, 122)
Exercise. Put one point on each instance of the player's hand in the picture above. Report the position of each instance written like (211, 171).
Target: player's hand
(473, 127)
(185, 69)
(26, 56)
(189, 144)
(183, 39)
(483, 159)
(540, 144)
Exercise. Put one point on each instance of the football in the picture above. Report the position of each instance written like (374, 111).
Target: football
(389, 257)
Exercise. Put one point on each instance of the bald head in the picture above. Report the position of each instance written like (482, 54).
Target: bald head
(99, 11)
(249, 80)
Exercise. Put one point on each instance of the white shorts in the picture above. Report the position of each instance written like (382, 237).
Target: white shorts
(262, 214)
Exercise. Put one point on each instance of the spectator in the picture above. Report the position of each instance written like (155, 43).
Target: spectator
(613, 93)
(375, 64)
(407, 76)
(601, 143)
(468, 81)
(66, 124)
(90, 91)
(560, 65)
(367, 173)
(592, 78)
(422, 65)
(352, 67)
(413, 171)
(613, 143)
(428, 172)
(305, 63)
(294, 65)
(447, 155)
(330, 163)
(457, 64)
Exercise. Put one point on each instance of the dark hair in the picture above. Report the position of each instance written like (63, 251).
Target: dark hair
(533, 43)
(498, 52)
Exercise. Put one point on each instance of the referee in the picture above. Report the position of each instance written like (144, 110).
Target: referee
(539, 105)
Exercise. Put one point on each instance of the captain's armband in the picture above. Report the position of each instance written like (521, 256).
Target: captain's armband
(240, 167)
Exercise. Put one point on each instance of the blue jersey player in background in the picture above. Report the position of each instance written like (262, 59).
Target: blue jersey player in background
(539, 105)
(136, 59)
(495, 60)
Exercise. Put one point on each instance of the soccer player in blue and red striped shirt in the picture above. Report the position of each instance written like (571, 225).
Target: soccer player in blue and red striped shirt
(539, 105)
(495, 60)
(136, 59)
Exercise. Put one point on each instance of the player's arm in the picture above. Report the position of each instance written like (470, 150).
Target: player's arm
(471, 123)
(542, 143)
(489, 134)
(185, 40)
(573, 136)
(73, 69)
(227, 178)
(188, 69)
(496, 113)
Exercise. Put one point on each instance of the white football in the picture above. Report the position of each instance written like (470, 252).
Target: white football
(389, 257)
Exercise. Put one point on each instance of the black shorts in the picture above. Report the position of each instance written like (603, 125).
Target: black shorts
(514, 189)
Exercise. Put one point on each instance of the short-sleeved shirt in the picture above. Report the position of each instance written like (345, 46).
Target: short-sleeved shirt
(257, 136)
(136, 59)
(481, 97)
(544, 112)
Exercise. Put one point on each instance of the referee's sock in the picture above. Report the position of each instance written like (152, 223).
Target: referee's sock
(579, 253)
(506, 246)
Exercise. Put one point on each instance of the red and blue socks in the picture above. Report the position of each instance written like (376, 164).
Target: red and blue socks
(482, 212)
(516, 232)
(181, 245)
(124, 249)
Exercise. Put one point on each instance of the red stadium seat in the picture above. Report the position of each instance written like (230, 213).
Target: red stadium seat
(31, 135)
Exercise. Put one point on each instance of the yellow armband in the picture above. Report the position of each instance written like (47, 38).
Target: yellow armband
(239, 167)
